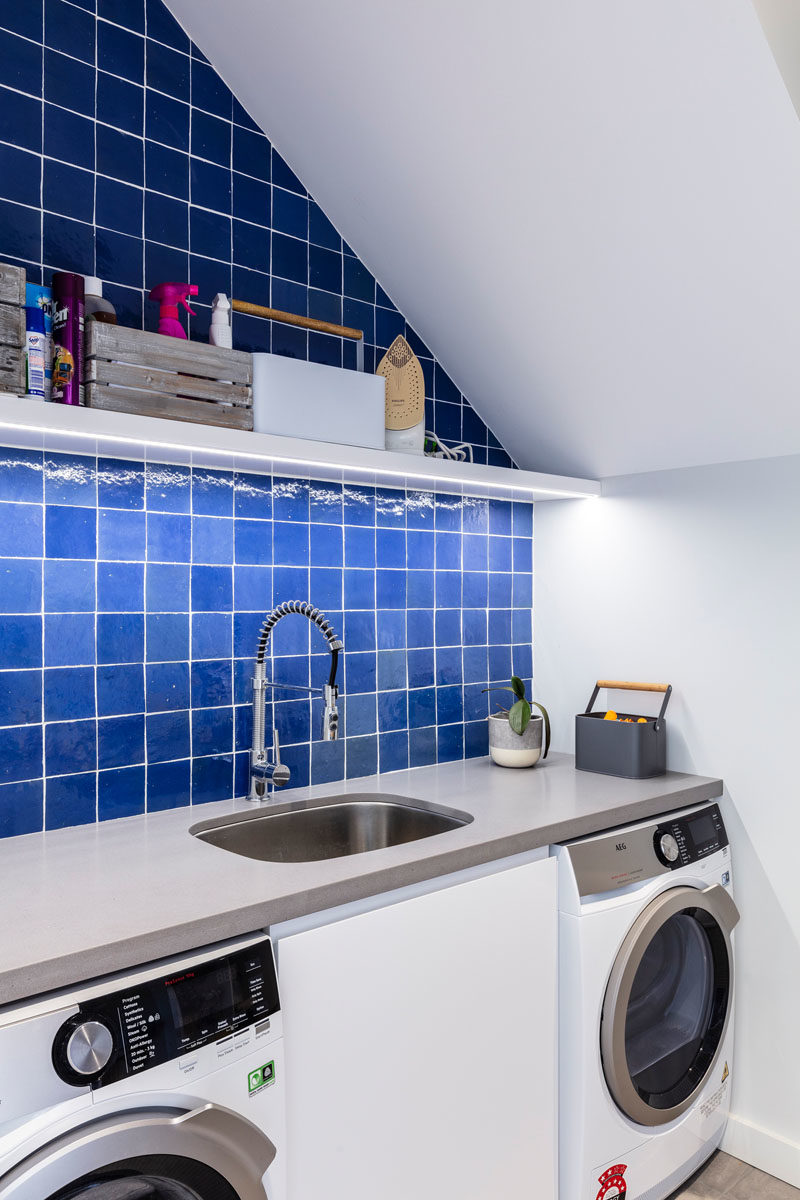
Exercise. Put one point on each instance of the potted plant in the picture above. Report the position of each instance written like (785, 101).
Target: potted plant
(515, 733)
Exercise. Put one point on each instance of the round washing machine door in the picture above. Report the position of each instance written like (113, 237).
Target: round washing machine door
(205, 1153)
(668, 1002)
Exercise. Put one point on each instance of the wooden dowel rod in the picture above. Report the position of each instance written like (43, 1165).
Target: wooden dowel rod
(276, 314)
(623, 686)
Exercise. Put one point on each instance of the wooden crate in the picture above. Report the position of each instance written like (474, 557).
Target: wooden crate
(12, 329)
(134, 372)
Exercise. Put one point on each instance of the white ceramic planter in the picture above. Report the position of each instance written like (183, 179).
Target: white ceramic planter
(509, 749)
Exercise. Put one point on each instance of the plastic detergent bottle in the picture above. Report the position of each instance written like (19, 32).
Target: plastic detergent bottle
(96, 308)
(169, 296)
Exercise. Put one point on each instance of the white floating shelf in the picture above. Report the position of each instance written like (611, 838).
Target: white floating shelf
(38, 425)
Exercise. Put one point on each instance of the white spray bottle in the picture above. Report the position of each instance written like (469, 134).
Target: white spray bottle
(219, 333)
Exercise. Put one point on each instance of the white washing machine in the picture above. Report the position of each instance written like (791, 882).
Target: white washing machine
(645, 999)
(161, 1084)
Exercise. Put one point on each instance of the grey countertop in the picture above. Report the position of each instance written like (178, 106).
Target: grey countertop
(78, 903)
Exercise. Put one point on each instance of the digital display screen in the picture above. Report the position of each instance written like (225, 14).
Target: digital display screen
(702, 830)
(206, 998)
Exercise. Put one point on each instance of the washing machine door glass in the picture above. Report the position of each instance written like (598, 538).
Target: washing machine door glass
(668, 1002)
(161, 1178)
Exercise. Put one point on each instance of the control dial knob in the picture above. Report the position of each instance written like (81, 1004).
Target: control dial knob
(668, 847)
(82, 1049)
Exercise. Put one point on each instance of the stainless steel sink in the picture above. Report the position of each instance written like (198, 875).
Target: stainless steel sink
(330, 828)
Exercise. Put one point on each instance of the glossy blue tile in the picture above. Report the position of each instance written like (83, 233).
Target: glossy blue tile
(212, 731)
(500, 626)
(121, 534)
(211, 138)
(448, 589)
(290, 542)
(212, 635)
(521, 625)
(476, 739)
(20, 530)
(422, 747)
(252, 588)
(69, 639)
(120, 637)
(360, 713)
(167, 637)
(253, 496)
(119, 208)
(21, 808)
(393, 751)
(71, 800)
(474, 626)
(70, 479)
(326, 587)
(168, 736)
(120, 484)
(120, 793)
(209, 92)
(253, 542)
(448, 664)
(392, 710)
(391, 669)
(522, 661)
(120, 587)
(20, 753)
(212, 493)
(25, 19)
(390, 548)
(120, 741)
(448, 627)
(167, 587)
(70, 746)
(523, 519)
(21, 475)
(167, 686)
(419, 589)
(500, 553)
(169, 538)
(120, 155)
(69, 693)
(499, 664)
(523, 554)
(168, 488)
(212, 779)
(212, 540)
(167, 73)
(290, 499)
(211, 683)
(478, 701)
(421, 707)
(167, 170)
(120, 103)
(20, 697)
(420, 627)
(70, 531)
(21, 644)
(359, 505)
(326, 545)
(420, 665)
(120, 689)
(449, 743)
(212, 589)
(449, 705)
(359, 547)
(327, 761)
(20, 585)
(391, 628)
(162, 26)
(168, 785)
(522, 590)
(361, 756)
(359, 588)
(360, 672)
(475, 660)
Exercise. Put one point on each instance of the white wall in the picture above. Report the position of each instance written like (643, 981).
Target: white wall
(693, 577)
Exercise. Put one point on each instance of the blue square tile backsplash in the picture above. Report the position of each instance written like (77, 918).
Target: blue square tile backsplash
(124, 155)
(133, 595)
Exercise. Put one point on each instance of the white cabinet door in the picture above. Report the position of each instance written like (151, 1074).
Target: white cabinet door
(421, 1046)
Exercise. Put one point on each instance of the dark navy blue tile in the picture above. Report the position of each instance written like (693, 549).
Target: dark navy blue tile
(66, 245)
(211, 138)
(326, 306)
(167, 686)
(120, 587)
(283, 176)
(360, 316)
(69, 693)
(212, 589)
(359, 283)
(70, 29)
(120, 484)
(20, 64)
(251, 199)
(21, 808)
(120, 637)
(119, 207)
(324, 348)
(420, 589)
(127, 304)
(168, 73)
(388, 325)
(120, 689)
(251, 248)
(20, 175)
(120, 103)
(120, 793)
(70, 746)
(20, 585)
(70, 531)
(422, 747)
(129, 13)
(20, 697)
(160, 263)
(210, 233)
(20, 120)
(473, 429)
(168, 538)
(167, 587)
(212, 779)
(69, 639)
(20, 753)
(420, 668)
(21, 475)
(324, 269)
(166, 120)
(209, 92)
(290, 342)
(71, 800)
(25, 19)
(120, 52)
(290, 258)
(416, 343)
(120, 155)
(121, 534)
(290, 213)
(167, 170)
(162, 26)
(320, 229)
(251, 153)
(68, 83)
(120, 741)
(168, 785)
(394, 751)
(242, 117)
(119, 255)
(211, 683)
(68, 137)
(168, 736)
(167, 637)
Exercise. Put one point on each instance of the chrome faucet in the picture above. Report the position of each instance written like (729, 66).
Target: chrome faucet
(268, 774)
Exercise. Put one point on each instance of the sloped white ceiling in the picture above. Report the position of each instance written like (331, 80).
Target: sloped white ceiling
(590, 211)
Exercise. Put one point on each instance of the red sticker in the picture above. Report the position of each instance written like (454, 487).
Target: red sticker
(612, 1184)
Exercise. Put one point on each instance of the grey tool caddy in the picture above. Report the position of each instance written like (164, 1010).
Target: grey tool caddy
(622, 747)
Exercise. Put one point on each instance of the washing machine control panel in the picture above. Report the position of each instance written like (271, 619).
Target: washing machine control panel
(125, 1032)
(685, 840)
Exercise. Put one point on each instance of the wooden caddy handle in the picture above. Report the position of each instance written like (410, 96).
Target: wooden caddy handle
(276, 314)
(625, 686)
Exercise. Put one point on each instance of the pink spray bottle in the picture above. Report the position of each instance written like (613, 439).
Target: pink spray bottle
(169, 296)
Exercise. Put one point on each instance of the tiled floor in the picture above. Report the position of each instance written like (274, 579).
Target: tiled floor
(726, 1178)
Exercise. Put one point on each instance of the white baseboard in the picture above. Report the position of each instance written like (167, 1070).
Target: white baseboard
(768, 1151)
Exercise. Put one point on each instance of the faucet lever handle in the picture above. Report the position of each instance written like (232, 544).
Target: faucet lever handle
(276, 748)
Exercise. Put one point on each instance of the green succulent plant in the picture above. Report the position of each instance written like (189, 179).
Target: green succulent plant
(520, 712)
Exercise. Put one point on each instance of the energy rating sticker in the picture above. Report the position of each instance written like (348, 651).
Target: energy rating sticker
(260, 1078)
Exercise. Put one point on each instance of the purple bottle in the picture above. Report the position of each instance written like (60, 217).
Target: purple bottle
(68, 294)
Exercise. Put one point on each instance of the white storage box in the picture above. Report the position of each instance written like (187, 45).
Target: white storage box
(324, 404)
